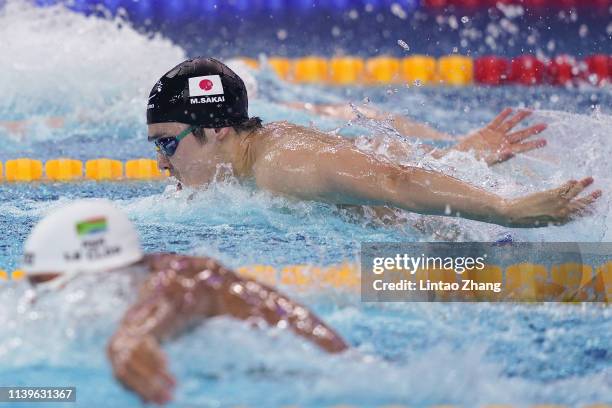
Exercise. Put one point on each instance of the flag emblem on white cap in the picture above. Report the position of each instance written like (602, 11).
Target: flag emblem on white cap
(205, 85)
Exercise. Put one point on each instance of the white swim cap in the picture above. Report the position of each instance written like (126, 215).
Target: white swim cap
(83, 236)
(245, 72)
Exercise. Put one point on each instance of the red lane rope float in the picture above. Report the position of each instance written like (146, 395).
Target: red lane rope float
(528, 70)
(599, 68)
(491, 70)
(562, 70)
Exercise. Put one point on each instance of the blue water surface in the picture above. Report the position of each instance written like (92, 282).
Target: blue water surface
(402, 353)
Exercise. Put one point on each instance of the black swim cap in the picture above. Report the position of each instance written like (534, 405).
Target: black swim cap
(199, 91)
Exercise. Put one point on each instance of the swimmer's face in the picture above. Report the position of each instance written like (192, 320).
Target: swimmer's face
(195, 162)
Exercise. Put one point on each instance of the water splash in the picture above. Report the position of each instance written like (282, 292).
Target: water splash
(419, 354)
(94, 73)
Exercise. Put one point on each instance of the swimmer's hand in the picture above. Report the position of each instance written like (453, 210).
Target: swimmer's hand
(139, 363)
(556, 206)
(496, 143)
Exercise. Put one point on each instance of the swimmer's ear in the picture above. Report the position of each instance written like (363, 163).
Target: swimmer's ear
(222, 133)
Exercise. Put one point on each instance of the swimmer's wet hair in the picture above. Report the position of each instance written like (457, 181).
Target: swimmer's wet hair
(248, 125)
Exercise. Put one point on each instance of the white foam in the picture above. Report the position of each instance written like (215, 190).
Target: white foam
(58, 62)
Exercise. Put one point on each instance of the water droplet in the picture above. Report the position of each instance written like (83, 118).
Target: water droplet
(403, 44)
(398, 11)
(281, 34)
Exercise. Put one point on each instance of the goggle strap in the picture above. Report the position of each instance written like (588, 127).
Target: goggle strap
(185, 132)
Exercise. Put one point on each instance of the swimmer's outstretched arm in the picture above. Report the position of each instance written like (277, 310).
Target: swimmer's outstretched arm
(183, 292)
(402, 124)
(349, 176)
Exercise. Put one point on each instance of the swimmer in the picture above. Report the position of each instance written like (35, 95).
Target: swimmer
(176, 291)
(197, 117)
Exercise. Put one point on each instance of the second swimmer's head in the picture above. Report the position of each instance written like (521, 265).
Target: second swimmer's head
(194, 113)
(84, 236)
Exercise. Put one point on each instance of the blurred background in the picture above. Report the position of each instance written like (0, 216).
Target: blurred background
(367, 27)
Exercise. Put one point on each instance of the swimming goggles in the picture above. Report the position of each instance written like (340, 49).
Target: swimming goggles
(168, 145)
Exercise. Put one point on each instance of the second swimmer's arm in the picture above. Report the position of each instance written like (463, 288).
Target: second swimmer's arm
(171, 301)
(206, 288)
(247, 299)
(165, 307)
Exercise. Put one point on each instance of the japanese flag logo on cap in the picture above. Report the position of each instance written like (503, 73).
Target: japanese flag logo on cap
(205, 85)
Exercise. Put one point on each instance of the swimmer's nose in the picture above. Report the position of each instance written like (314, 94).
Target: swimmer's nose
(162, 162)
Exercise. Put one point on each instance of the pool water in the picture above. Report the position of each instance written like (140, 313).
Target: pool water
(414, 354)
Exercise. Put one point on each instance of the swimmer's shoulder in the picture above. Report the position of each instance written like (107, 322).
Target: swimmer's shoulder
(291, 132)
(281, 128)
(278, 136)
(186, 266)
